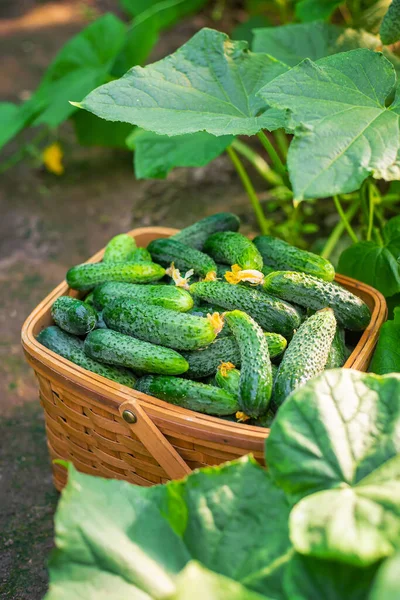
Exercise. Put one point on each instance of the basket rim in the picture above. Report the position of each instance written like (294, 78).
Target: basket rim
(115, 394)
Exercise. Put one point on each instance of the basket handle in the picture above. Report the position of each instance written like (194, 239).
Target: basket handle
(153, 440)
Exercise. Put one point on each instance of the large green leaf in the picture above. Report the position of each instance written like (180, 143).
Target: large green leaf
(313, 10)
(209, 84)
(386, 358)
(294, 42)
(334, 431)
(358, 525)
(343, 129)
(387, 583)
(374, 263)
(156, 155)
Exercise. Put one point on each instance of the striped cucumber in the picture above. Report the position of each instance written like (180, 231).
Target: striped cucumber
(119, 249)
(196, 396)
(71, 348)
(281, 256)
(338, 353)
(115, 348)
(307, 354)
(308, 291)
(255, 385)
(271, 313)
(160, 325)
(168, 250)
(174, 298)
(88, 275)
(195, 235)
(74, 316)
(232, 248)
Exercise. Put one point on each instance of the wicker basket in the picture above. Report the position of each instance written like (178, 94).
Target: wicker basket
(109, 430)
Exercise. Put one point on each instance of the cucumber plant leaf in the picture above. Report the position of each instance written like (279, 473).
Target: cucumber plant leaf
(294, 42)
(314, 10)
(390, 26)
(343, 130)
(387, 582)
(209, 84)
(376, 264)
(14, 117)
(156, 155)
(92, 131)
(386, 358)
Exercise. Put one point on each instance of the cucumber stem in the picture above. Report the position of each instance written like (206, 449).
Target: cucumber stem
(374, 198)
(343, 217)
(282, 142)
(272, 153)
(248, 186)
(338, 230)
(261, 165)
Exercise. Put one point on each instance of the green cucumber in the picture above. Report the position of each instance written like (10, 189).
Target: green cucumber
(205, 362)
(73, 315)
(281, 256)
(115, 348)
(119, 249)
(195, 235)
(88, 275)
(167, 250)
(196, 396)
(338, 353)
(228, 379)
(174, 298)
(307, 354)
(308, 291)
(71, 348)
(202, 310)
(271, 313)
(265, 420)
(255, 384)
(221, 270)
(140, 255)
(100, 321)
(276, 344)
(89, 299)
(232, 248)
(159, 325)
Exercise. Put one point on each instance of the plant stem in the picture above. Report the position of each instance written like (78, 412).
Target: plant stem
(258, 162)
(272, 153)
(338, 230)
(370, 214)
(282, 142)
(248, 186)
(343, 217)
(218, 10)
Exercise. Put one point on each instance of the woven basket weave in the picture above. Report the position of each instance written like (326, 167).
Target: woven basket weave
(110, 430)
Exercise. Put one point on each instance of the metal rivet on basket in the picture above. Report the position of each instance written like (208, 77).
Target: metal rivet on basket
(129, 416)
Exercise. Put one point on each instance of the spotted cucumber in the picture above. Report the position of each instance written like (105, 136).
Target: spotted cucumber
(168, 250)
(196, 396)
(255, 385)
(338, 353)
(73, 315)
(271, 313)
(202, 310)
(228, 378)
(230, 248)
(140, 255)
(71, 348)
(195, 235)
(87, 276)
(307, 354)
(119, 249)
(309, 291)
(115, 348)
(174, 298)
(281, 256)
(159, 325)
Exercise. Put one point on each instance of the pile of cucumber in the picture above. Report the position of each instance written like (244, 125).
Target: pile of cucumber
(230, 328)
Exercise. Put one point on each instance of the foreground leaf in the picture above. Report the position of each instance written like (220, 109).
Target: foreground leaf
(334, 430)
(156, 155)
(209, 84)
(386, 358)
(343, 130)
(387, 583)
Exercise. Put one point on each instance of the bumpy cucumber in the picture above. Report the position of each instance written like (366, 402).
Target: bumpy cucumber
(202, 310)
(189, 394)
(167, 250)
(276, 344)
(100, 321)
(115, 348)
(265, 420)
(307, 354)
(228, 378)
(119, 249)
(140, 255)
(255, 384)
(281, 256)
(270, 313)
(89, 299)
(195, 235)
(167, 296)
(73, 315)
(87, 276)
(338, 353)
(232, 248)
(350, 311)
(71, 348)
(159, 325)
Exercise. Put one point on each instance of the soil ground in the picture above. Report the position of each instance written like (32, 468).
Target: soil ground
(48, 224)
